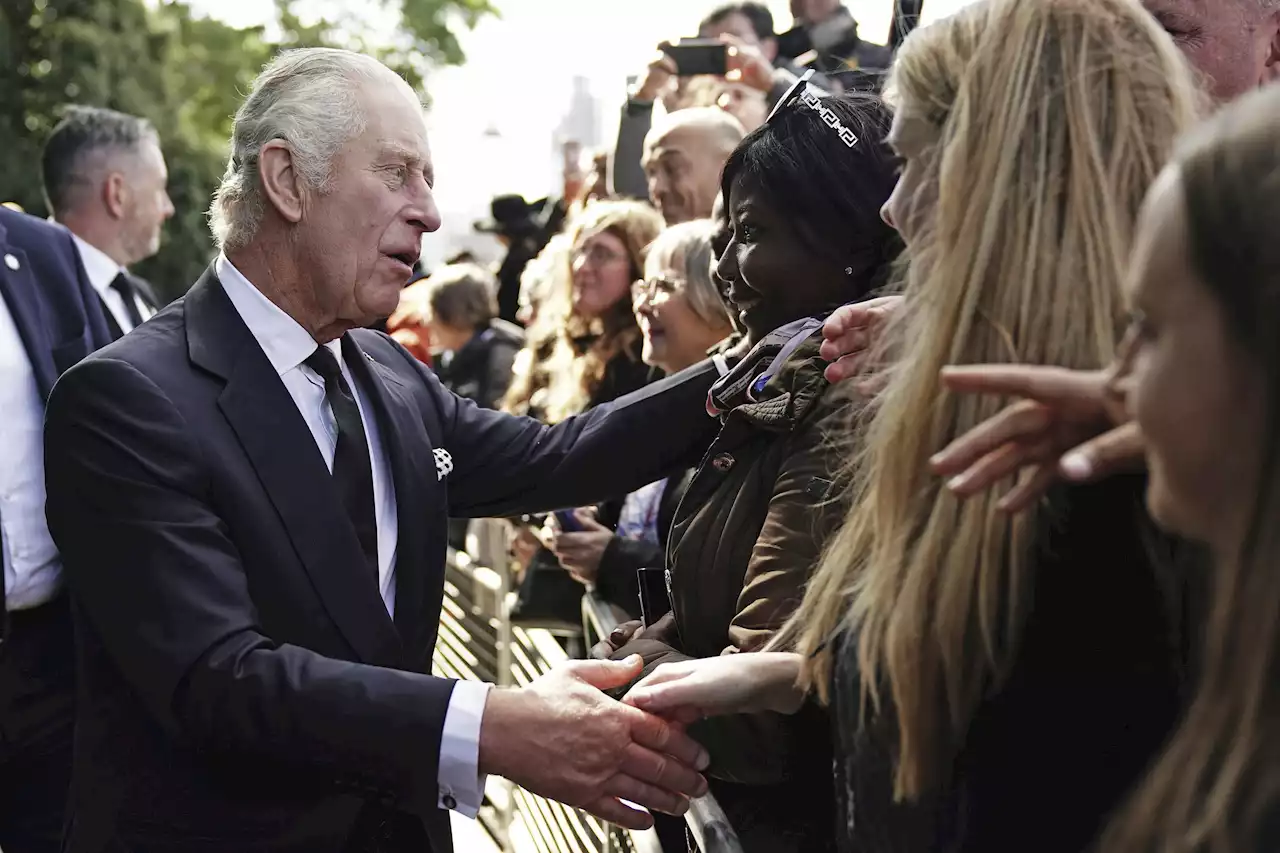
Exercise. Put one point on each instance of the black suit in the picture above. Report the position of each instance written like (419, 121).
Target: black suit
(243, 686)
(146, 295)
(55, 312)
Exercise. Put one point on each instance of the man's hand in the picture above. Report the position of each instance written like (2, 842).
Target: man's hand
(730, 684)
(1071, 425)
(657, 80)
(747, 65)
(561, 738)
(850, 334)
(580, 552)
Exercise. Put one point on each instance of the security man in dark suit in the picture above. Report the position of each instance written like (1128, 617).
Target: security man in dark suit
(49, 320)
(105, 179)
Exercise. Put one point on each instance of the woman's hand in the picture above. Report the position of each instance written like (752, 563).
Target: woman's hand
(850, 334)
(662, 631)
(1072, 425)
(618, 637)
(523, 544)
(743, 683)
(580, 552)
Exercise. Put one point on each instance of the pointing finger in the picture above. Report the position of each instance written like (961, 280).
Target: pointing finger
(1120, 449)
(1018, 422)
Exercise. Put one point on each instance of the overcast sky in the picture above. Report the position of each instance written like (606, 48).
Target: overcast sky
(518, 80)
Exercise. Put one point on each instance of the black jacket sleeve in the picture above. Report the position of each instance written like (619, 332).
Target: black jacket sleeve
(506, 465)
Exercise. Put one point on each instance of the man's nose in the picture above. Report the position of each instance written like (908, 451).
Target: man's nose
(425, 215)
(167, 210)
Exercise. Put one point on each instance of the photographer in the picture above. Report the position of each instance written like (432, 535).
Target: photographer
(752, 64)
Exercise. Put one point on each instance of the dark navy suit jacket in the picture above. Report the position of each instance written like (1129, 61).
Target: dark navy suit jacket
(54, 307)
(242, 684)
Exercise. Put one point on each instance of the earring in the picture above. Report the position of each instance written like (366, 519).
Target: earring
(848, 270)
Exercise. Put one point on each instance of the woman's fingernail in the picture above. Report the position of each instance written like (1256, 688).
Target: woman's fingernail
(957, 482)
(1077, 466)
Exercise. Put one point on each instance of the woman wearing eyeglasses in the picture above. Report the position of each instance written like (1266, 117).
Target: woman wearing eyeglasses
(583, 350)
(586, 337)
(802, 195)
(999, 682)
(681, 317)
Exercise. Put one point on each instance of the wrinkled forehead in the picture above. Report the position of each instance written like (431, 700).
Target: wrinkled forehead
(680, 139)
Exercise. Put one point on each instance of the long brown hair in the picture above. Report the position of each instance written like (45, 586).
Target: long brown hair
(568, 353)
(1220, 775)
(1053, 117)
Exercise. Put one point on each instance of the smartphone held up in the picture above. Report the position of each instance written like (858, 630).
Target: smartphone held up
(694, 57)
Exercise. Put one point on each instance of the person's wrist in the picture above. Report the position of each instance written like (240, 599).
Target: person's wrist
(500, 713)
(784, 695)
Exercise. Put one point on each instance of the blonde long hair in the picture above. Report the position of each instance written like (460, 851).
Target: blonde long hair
(1053, 118)
(1220, 776)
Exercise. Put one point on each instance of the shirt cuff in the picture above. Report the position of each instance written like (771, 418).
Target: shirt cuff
(460, 781)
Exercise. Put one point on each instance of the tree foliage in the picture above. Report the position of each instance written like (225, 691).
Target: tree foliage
(185, 73)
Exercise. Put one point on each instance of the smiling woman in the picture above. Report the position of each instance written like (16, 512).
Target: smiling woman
(804, 213)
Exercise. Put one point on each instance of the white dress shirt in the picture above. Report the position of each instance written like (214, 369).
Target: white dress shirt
(102, 270)
(287, 345)
(32, 568)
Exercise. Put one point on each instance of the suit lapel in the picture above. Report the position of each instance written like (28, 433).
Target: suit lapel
(419, 499)
(20, 292)
(284, 455)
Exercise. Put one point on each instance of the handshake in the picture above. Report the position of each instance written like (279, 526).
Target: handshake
(562, 738)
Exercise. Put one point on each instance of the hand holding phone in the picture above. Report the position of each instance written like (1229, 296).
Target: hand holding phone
(568, 521)
(698, 56)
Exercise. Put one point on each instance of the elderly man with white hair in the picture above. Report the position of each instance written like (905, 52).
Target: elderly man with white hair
(250, 494)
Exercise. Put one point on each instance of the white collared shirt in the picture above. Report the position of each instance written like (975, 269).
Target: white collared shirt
(287, 345)
(32, 568)
(102, 270)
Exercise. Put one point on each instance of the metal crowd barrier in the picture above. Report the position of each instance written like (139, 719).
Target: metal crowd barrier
(706, 820)
(477, 641)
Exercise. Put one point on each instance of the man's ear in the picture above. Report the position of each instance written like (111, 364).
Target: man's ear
(281, 182)
(115, 194)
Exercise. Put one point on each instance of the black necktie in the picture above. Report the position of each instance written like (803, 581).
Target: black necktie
(352, 471)
(122, 285)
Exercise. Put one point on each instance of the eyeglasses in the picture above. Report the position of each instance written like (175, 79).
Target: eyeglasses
(648, 288)
(595, 255)
(802, 94)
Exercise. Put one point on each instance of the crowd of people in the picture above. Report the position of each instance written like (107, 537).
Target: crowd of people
(912, 409)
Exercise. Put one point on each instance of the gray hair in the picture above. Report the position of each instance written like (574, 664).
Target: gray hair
(684, 252)
(79, 148)
(307, 97)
